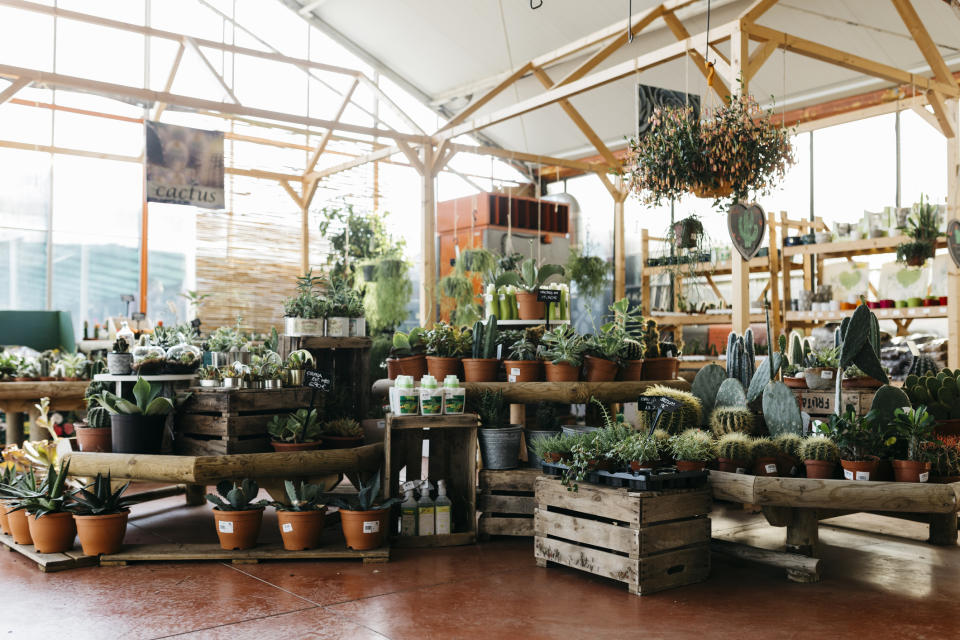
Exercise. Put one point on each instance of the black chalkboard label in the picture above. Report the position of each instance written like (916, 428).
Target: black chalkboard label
(315, 380)
(548, 295)
(657, 403)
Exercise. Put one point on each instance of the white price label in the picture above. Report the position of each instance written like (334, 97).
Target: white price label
(848, 474)
(371, 526)
(770, 468)
(226, 526)
(863, 475)
(827, 374)
(515, 371)
(286, 527)
(927, 310)
(924, 476)
(511, 378)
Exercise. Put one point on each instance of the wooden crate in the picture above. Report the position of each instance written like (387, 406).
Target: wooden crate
(507, 502)
(651, 540)
(228, 421)
(823, 403)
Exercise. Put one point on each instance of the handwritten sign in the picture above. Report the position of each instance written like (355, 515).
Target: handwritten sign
(315, 380)
(548, 295)
(660, 404)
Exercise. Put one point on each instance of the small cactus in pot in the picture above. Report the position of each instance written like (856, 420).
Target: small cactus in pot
(820, 455)
(734, 451)
(725, 420)
(765, 457)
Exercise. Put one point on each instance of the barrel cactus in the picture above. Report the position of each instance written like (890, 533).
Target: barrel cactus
(819, 448)
(98, 417)
(731, 420)
(687, 416)
(923, 365)
(764, 448)
(789, 444)
(631, 349)
(735, 446)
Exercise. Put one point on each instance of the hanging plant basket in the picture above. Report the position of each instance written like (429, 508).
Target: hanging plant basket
(717, 192)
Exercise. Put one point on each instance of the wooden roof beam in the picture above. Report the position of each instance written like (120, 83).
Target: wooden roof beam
(326, 134)
(755, 10)
(15, 85)
(923, 40)
(941, 114)
(530, 157)
(471, 108)
(681, 33)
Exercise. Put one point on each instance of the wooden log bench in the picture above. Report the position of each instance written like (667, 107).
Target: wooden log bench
(798, 504)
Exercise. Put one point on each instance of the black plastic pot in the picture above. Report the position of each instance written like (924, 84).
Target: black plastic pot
(136, 434)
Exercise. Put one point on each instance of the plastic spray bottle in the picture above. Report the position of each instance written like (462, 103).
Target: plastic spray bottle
(442, 507)
(426, 511)
(408, 511)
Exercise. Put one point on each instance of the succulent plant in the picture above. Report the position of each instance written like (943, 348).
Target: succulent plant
(302, 425)
(688, 415)
(819, 448)
(485, 338)
(764, 447)
(343, 428)
(493, 411)
(306, 497)
(638, 447)
(631, 349)
(120, 346)
(651, 339)
(735, 446)
(364, 500)
(740, 366)
(886, 400)
(788, 444)
(725, 420)
(98, 417)
(940, 393)
(236, 496)
(97, 499)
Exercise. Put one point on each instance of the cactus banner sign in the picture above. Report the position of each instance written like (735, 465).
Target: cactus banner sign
(184, 165)
(953, 241)
(747, 225)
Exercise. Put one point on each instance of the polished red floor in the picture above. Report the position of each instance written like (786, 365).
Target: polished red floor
(879, 585)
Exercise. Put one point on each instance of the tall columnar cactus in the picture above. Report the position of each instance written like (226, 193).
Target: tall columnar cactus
(750, 360)
(731, 420)
(735, 446)
(687, 416)
(651, 339)
(485, 338)
(796, 348)
(780, 410)
(819, 448)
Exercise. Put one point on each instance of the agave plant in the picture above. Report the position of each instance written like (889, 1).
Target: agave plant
(306, 497)
(236, 496)
(364, 499)
(49, 497)
(97, 499)
(149, 401)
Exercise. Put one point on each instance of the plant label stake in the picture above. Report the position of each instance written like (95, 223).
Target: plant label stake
(551, 297)
(316, 382)
(953, 241)
(660, 404)
(746, 225)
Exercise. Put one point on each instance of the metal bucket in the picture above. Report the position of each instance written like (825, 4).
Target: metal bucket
(209, 383)
(577, 429)
(273, 383)
(295, 377)
(500, 448)
(226, 358)
(231, 383)
(533, 460)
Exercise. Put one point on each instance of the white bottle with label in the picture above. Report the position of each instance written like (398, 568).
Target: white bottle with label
(443, 508)
(431, 396)
(454, 396)
(406, 396)
(426, 510)
(408, 514)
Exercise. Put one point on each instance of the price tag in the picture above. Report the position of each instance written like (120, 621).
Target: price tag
(827, 374)
(315, 380)
(927, 310)
(658, 404)
(371, 526)
(287, 527)
(515, 371)
(226, 526)
(863, 475)
(548, 295)
(511, 378)
(741, 470)
(847, 474)
(925, 476)
(770, 468)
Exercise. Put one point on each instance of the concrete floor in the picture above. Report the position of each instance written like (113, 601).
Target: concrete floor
(875, 586)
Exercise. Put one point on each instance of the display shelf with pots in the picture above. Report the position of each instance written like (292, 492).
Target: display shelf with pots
(528, 323)
(345, 361)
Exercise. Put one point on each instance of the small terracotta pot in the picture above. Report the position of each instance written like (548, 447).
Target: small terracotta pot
(820, 469)
(795, 383)
(101, 534)
(342, 442)
(911, 471)
(599, 370)
(730, 465)
(632, 371)
(479, 369)
(561, 372)
(301, 529)
(364, 529)
(238, 529)
(523, 370)
(861, 382)
(661, 368)
(788, 465)
(53, 533)
(528, 308)
(866, 469)
(19, 527)
(4, 525)
(440, 368)
(765, 467)
(285, 447)
(691, 465)
(95, 439)
(415, 366)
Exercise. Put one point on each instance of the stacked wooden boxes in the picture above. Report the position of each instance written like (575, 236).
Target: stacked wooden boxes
(215, 422)
(651, 540)
(507, 502)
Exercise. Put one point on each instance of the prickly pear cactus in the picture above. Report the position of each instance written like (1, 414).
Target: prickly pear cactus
(887, 400)
(731, 394)
(766, 372)
(780, 410)
(705, 386)
(731, 420)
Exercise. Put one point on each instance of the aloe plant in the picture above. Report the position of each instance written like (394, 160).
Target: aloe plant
(49, 497)
(149, 402)
(365, 498)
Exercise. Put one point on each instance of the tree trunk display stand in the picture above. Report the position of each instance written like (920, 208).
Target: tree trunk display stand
(506, 502)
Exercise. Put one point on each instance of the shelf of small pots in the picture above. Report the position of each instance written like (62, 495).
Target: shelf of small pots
(301, 517)
(44, 509)
(820, 455)
(364, 521)
(692, 449)
(236, 515)
(119, 360)
(820, 367)
(137, 427)
(100, 514)
(734, 452)
(637, 452)
(208, 376)
(523, 363)
(297, 431)
(764, 457)
(562, 352)
(482, 365)
(531, 278)
(225, 346)
(916, 427)
(499, 440)
(296, 364)
(445, 345)
(342, 433)
(407, 355)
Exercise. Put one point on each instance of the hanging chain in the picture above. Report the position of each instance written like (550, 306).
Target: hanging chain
(629, 21)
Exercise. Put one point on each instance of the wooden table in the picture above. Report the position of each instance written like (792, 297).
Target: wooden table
(17, 398)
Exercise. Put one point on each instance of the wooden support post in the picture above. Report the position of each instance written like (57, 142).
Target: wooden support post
(14, 427)
(953, 213)
(304, 238)
(619, 257)
(773, 267)
(645, 304)
(740, 298)
(803, 532)
(943, 529)
(428, 292)
(195, 495)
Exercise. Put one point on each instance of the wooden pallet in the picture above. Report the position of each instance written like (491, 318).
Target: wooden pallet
(650, 540)
(216, 422)
(212, 551)
(507, 502)
(50, 562)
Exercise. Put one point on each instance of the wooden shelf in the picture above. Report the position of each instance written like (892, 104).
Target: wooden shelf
(570, 392)
(683, 319)
(457, 421)
(757, 265)
(528, 323)
(902, 313)
(852, 248)
(328, 342)
(212, 551)
(166, 377)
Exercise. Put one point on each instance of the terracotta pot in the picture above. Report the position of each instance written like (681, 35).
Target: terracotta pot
(861, 382)
(528, 308)
(795, 383)
(599, 370)
(860, 469)
(788, 465)
(479, 369)
(284, 447)
(301, 529)
(632, 371)
(661, 368)
(637, 466)
(561, 372)
(820, 469)
(53, 533)
(765, 467)
(916, 261)
(732, 466)
(552, 457)
(911, 471)
(523, 370)
(691, 465)
(19, 527)
(238, 529)
(440, 368)
(415, 366)
(101, 534)
(95, 439)
(4, 525)
(342, 442)
(364, 529)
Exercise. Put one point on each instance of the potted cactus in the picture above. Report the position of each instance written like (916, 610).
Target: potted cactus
(943, 453)
(523, 363)
(788, 453)
(446, 345)
(297, 431)
(364, 521)
(562, 354)
(725, 420)
(692, 449)
(94, 434)
(659, 360)
(603, 348)
(734, 452)
(303, 314)
(301, 518)
(688, 416)
(406, 355)
(765, 457)
(119, 359)
(342, 433)
(820, 455)
(916, 427)
(235, 513)
(208, 376)
(100, 514)
(483, 364)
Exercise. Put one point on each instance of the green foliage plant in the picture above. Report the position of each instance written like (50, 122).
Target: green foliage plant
(563, 345)
(445, 340)
(149, 402)
(303, 425)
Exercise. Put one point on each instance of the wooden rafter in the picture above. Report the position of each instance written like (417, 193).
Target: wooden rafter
(755, 10)
(329, 132)
(488, 96)
(530, 157)
(209, 65)
(293, 194)
(924, 42)
(168, 85)
(758, 57)
(373, 156)
(940, 112)
(928, 117)
(680, 32)
(15, 86)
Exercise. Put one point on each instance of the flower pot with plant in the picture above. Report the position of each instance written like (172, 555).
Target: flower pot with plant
(483, 364)
(629, 324)
(734, 452)
(208, 376)
(137, 427)
(342, 433)
(603, 348)
(523, 362)
(70, 366)
(499, 440)
(562, 353)
(364, 521)
(923, 229)
(183, 358)
(764, 457)
(820, 455)
(636, 452)
(407, 355)
(820, 368)
(119, 359)
(225, 346)
(446, 344)
(297, 431)
(50, 523)
(554, 448)
(692, 449)
(9, 477)
(547, 427)
(148, 359)
(532, 277)
(859, 438)
(944, 455)
(659, 359)
(100, 514)
(304, 313)
(301, 518)
(788, 453)
(15, 487)
(916, 427)
(296, 363)
(235, 513)
(589, 273)
(342, 304)
(94, 435)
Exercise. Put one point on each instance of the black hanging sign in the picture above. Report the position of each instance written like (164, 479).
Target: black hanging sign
(747, 225)
(548, 295)
(315, 380)
(660, 404)
(953, 241)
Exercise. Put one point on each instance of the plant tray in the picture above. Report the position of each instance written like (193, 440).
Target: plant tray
(49, 562)
(656, 480)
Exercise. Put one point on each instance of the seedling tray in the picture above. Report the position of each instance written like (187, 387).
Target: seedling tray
(644, 480)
